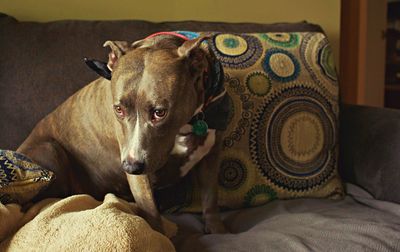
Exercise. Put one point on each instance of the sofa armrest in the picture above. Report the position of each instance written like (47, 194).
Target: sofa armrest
(370, 149)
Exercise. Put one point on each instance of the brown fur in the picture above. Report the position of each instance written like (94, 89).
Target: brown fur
(84, 142)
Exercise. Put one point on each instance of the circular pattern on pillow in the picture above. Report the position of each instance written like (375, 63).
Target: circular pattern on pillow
(281, 65)
(236, 51)
(302, 123)
(230, 44)
(243, 106)
(326, 61)
(258, 83)
(258, 195)
(316, 55)
(281, 39)
(231, 106)
(293, 138)
(232, 174)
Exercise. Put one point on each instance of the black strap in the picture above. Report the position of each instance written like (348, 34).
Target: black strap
(99, 67)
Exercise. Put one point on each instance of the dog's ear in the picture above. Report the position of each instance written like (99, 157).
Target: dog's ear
(138, 43)
(192, 51)
(189, 46)
(118, 48)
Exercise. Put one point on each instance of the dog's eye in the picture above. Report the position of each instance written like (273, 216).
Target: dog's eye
(119, 110)
(158, 114)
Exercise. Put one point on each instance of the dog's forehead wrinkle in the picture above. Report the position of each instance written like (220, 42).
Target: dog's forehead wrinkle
(128, 74)
(133, 60)
(125, 86)
(155, 84)
(165, 41)
(161, 58)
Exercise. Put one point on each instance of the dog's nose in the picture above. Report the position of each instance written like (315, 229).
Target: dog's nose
(133, 167)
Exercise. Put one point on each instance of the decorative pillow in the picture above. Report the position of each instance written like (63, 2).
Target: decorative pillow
(20, 178)
(282, 138)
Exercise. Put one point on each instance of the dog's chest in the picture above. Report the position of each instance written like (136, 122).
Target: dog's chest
(192, 148)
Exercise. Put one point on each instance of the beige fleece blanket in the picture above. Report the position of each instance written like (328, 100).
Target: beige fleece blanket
(80, 223)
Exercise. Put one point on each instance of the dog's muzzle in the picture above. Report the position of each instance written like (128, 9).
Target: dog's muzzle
(133, 167)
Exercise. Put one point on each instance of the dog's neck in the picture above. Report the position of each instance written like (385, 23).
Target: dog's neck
(192, 148)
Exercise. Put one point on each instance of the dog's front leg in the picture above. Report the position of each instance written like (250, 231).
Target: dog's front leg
(207, 175)
(143, 195)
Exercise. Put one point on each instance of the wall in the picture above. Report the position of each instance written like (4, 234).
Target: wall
(362, 63)
(323, 12)
(375, 53)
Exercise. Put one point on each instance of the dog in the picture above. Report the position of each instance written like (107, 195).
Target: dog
(146, 116)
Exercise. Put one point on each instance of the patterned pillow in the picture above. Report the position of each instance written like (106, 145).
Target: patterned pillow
(20, 178)
(282, 138)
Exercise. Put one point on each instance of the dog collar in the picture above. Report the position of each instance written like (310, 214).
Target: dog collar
(214, 91)
(168, 33)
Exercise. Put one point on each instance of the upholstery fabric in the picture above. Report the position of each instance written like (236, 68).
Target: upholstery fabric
(20, 178)
(370, 147)
(357, 223)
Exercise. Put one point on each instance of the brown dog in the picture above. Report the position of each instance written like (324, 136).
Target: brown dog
(135, 123)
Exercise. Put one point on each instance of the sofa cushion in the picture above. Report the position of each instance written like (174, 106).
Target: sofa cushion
(281, 141)
(20, 178)
(369, 149)
(357, 223)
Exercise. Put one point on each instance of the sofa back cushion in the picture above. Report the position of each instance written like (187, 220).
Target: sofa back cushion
(42, 63)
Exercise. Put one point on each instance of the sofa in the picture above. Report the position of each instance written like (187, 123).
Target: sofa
(41, 64)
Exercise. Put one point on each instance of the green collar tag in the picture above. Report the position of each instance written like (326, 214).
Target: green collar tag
(200, 128)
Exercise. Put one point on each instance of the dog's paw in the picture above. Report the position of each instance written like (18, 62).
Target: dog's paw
(215, 226)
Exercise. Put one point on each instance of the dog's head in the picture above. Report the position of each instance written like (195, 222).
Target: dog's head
(157, 85)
